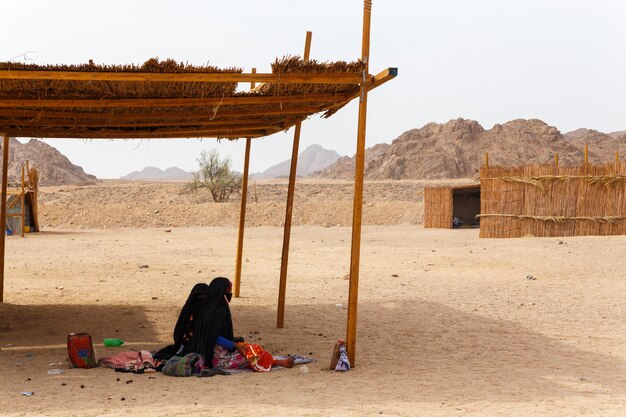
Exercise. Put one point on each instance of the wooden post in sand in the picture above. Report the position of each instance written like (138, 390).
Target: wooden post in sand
(242, 212)
(3, 210)
(486, 160)
(22, 202)
(556, 163)
(284, 260)
(357, 214)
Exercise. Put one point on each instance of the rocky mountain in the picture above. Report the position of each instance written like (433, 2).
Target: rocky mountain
(52, 166)
(456, 149)
(601, 145)
(157, 174)
(314, 158)
(344, 167)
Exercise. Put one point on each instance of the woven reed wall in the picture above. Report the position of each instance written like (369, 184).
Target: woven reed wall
(438, 207)
(542, 200)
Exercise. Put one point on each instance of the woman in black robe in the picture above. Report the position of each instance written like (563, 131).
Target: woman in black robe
(204, 317)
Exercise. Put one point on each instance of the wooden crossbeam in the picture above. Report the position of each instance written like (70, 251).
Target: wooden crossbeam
(139, 123)
(180, 114)
(221, 77)
(171, 102)
(378, 80)
(155, 134)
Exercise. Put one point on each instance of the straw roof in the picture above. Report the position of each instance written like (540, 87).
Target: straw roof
(166, 99)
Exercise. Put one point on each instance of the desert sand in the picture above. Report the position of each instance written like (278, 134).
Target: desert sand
(449, 324)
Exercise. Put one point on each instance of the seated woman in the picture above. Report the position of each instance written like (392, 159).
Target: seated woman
(204, 318)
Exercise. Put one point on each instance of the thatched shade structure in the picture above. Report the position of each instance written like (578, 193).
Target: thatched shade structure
(170, 100)
(165, 99)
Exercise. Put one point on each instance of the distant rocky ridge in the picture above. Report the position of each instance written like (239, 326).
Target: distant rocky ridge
(314, 158)
(157, 174)
(456, 150)
(52, 166)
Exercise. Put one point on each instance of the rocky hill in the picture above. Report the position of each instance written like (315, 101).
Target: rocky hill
(52, 166)
(157, 174)
(602, 146)
(313, 158)
(456, 150)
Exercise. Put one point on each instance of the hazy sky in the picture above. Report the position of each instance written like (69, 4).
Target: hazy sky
(562, 61)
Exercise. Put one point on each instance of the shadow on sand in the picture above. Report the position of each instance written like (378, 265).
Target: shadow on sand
(442, 353)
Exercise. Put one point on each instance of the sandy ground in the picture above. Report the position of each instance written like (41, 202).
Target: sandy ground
(449, 324)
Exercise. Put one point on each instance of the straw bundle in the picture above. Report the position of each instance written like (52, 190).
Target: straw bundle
(33, 89)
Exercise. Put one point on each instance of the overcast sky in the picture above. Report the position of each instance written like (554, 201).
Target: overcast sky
(561, 61)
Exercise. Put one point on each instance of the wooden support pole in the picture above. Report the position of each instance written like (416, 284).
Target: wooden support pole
(242, 212)
(284, 260)
(22, 201)
(357, 214)
(242, 218)
(3, 210)
(486, 160)
(586, 154)
(556, 161)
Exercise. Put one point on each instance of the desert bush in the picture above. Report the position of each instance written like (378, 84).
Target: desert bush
(216, 176)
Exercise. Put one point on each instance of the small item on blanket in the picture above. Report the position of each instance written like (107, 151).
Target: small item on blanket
(131, 361)
(259, 359)
(190, 364)
(80, 350)
(340, 361)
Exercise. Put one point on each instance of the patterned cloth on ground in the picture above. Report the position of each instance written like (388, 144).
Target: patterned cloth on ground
(190, 364)
(132, 361)
(225, 359)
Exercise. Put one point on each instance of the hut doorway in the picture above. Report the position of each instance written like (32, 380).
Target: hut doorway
(466, 207)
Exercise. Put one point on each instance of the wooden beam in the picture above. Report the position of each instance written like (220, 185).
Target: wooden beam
(486, 164)
(156, 133)
(378, 80)
(242, 218)
(357, 213)
(217, 77)
(170, 102)
(203, 123)
(284, 260)
(184, 114)
(3, 210)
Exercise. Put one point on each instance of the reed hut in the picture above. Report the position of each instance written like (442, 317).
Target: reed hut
(166, 99)
(548, 200)
(21, 204)
(442, 205)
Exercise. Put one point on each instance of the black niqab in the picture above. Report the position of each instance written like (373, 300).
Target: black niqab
(214, 320)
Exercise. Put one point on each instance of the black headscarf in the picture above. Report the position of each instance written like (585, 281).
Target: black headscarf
(212, 321)
(193, 308)
(205, 315)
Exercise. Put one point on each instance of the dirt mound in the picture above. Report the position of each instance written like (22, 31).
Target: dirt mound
(52, 166)
(120, 204)
(456, 150)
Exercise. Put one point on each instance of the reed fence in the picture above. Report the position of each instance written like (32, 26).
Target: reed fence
(548, 200)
